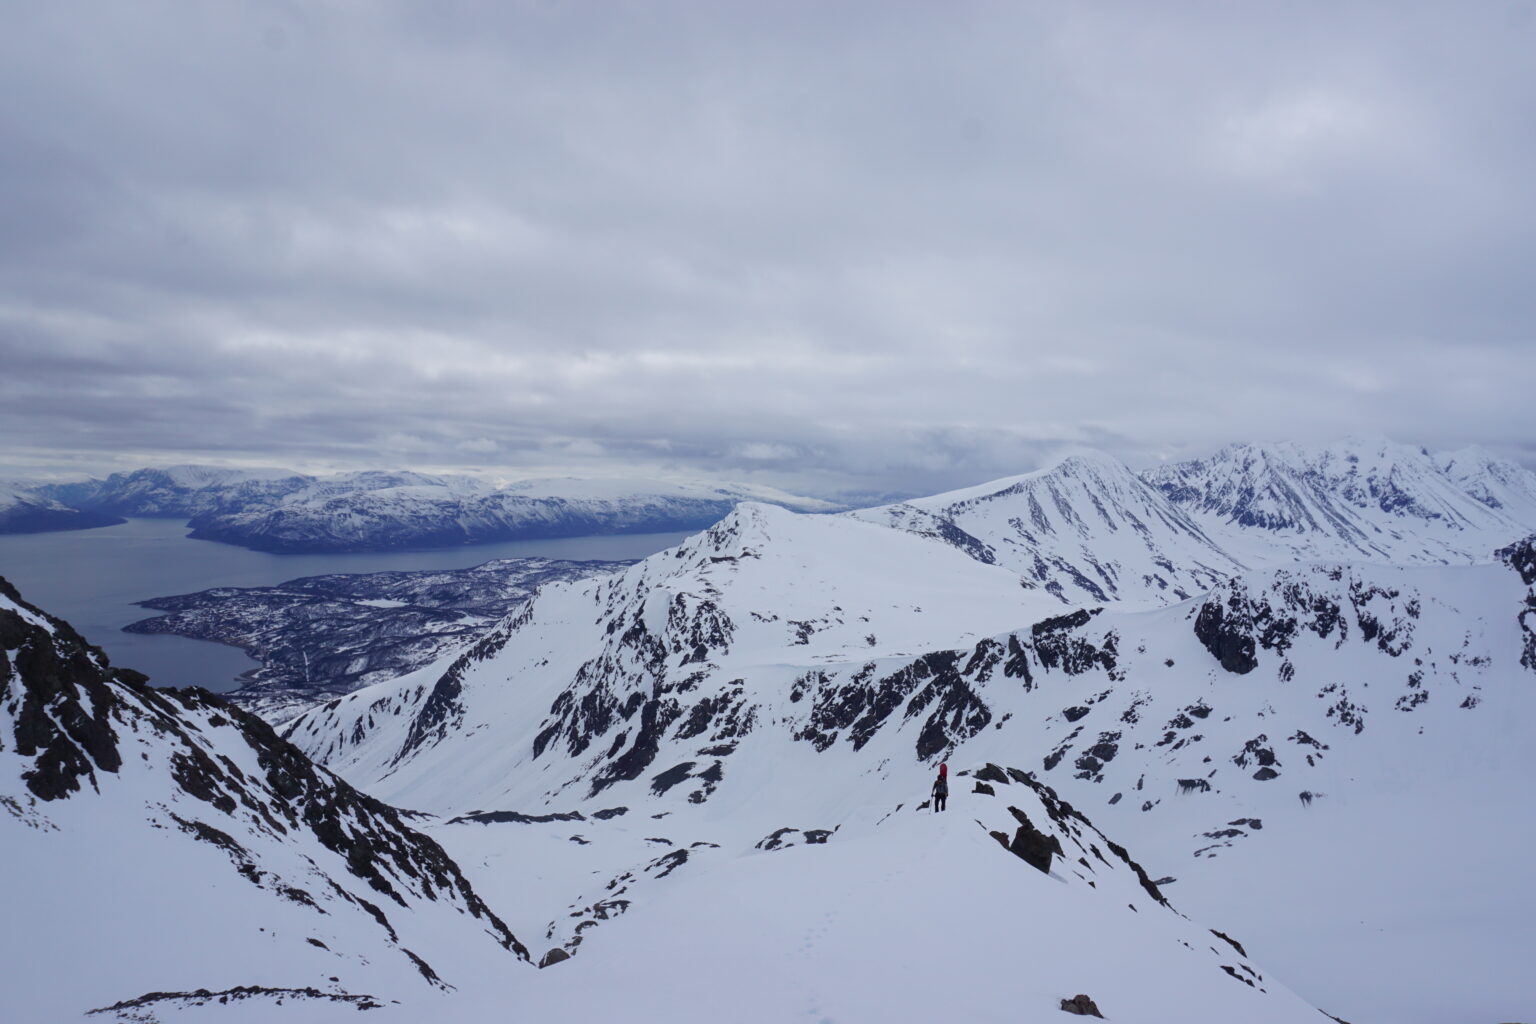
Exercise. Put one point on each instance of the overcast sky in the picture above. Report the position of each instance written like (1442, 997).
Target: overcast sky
(834, 246)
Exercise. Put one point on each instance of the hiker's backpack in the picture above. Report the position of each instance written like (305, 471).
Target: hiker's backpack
(944, 769)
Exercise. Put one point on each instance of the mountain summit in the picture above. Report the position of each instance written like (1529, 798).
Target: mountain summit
(1086, 531)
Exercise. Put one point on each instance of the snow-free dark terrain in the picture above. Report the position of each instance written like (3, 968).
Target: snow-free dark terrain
(322, 636)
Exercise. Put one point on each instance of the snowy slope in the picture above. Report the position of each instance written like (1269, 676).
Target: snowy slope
(1085, 530)
(1316, 753)
(894, 914)
(1497, 483)
(1272, 504)
(602, 672)
(24, 512)
(184, 864)
(721, 679)
(164, 841)
(1091, 532)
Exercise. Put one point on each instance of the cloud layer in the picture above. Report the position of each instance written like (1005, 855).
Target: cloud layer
(862, 246)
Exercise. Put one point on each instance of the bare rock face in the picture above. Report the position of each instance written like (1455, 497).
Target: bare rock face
(1081, 1006)
(554, 956)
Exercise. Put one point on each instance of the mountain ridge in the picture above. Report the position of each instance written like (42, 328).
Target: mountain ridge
(289, 863)
(226, 800)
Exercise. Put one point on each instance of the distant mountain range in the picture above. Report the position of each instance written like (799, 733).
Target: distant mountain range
(1082, 533)
(1086, 529)
(1089, 531)
(23, 511)
(284, 512)
(1356, 501)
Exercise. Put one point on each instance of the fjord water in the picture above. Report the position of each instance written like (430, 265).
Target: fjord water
(92, 579)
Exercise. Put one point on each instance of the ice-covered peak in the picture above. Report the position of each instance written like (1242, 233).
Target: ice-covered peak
(1088, 465)
(745, 530)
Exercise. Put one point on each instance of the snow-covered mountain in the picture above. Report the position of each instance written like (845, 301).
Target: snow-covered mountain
(1497, 483)
(1008, 906)
(177, 491)
(166, 842)
(1326, 758)
(22, 511)
(1085, 530)
(441, 515)
(756, 598)
(1091, 532)
(171, 859)
(279, 511)
(621, 677)
(1270, 504)
(775, 652)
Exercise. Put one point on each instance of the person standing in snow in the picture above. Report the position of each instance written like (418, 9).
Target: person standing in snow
(940, 789)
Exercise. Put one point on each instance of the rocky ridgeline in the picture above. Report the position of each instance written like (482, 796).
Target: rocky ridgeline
(74, 730)
(1521, 557)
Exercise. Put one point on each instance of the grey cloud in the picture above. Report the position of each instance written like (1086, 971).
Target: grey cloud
(861, 246)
